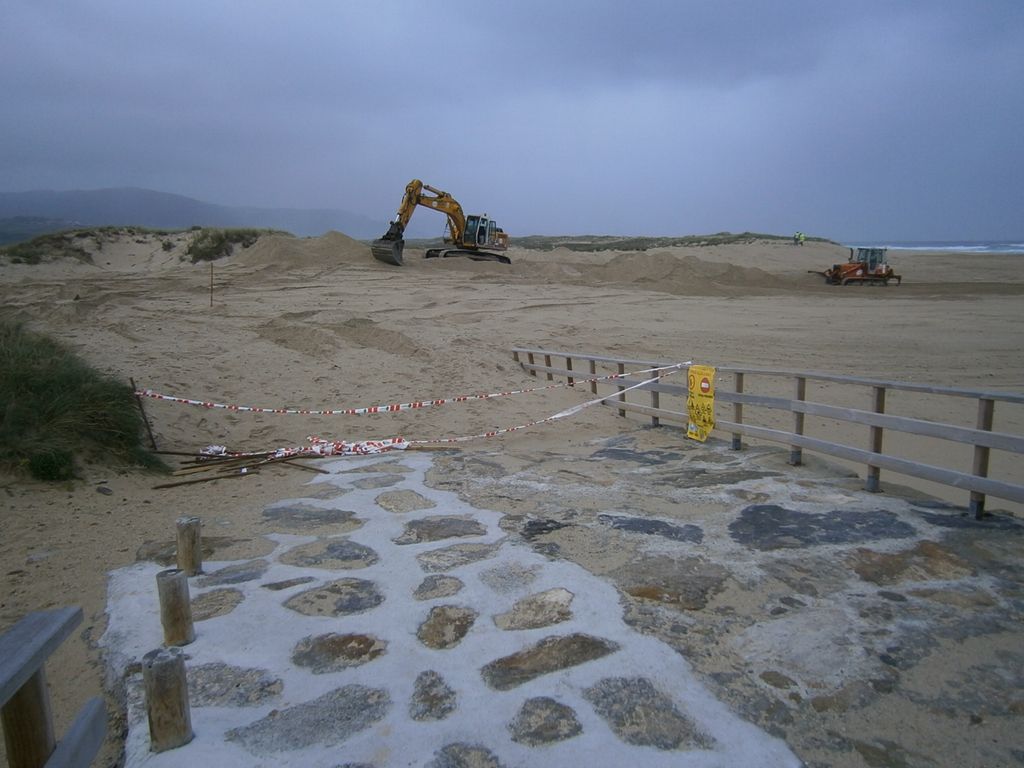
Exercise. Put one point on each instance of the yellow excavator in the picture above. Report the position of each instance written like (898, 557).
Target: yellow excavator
(476, 236)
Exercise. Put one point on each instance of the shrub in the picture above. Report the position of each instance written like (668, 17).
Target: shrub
(212, 244)
(49, 247)
(54, 407)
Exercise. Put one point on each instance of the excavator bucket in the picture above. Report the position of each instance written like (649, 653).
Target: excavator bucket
(388, 251)
(389, 247)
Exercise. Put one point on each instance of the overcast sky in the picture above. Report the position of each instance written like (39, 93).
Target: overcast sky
(851, 120)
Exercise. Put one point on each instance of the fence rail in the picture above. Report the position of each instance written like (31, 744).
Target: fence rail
(982, 437)
(25, 702)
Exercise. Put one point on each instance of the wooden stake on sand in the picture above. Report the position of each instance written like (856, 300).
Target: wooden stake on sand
(190, 547)
(142, 410)
(166, 686)
(175, 607)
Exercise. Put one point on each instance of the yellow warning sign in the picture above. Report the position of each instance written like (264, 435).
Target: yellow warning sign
(700, 402)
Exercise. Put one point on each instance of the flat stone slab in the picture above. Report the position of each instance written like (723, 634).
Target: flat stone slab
(337, 598)
(440, 527)
(236, 573)
(302, 518)
(213, 547)
(542, 720)
(510, 577)
(437, 585)
(393, 466)
(640, 714)
(400, 502)
(277, 586)
(690, 533)
(956, 518)
(697, 477)
(447, 558)
(625, 452)
(462, 755)
(685, 583)
(549, 655)
(769, 527)
(332, 652)
(432, 698)
(384, 481)
(328, 720)
(533, 529)
(445, 626)
(540, 610)
(925, 561)
(335, 554)
(221, 685)
(216, 602)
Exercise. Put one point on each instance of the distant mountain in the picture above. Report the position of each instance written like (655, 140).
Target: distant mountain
(27, 211)
(19, 228)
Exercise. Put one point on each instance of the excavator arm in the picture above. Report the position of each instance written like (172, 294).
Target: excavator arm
(389, 247)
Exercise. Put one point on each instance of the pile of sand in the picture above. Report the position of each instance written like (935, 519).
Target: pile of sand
(326, 252)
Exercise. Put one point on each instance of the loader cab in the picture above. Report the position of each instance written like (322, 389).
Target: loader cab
(871, 258)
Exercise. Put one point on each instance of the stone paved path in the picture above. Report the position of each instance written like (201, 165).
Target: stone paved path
(390, 624)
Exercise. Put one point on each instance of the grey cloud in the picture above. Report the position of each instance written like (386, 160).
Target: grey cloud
(868, 119)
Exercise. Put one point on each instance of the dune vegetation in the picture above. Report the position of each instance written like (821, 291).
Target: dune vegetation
(56, 410)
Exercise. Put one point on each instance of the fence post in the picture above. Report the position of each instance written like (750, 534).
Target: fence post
(796, 454)
(986, 409)
(737, 414)
(871, 481)
(547, 362)
(28, 724)
(655, 403)
(568, 367)
(622, 396)
(593, 376)
(529, 359)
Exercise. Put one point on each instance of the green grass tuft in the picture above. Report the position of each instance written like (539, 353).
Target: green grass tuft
(211, 244)
(55, 407)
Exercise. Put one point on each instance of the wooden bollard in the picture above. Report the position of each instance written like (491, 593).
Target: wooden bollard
(175, 607)
(190, 546)
(170, 719)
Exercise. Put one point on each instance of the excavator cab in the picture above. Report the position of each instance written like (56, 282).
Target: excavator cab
(482, 232)
(476, 232)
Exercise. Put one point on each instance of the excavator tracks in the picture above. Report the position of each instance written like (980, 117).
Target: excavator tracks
(445, 253)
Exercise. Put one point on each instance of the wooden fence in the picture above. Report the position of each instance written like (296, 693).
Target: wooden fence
(25, 702)
(982, 439)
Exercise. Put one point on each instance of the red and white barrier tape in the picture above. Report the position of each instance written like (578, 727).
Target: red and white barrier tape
(393, 407)
(320, 447)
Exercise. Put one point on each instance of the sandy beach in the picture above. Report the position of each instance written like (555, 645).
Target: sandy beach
(317, 323)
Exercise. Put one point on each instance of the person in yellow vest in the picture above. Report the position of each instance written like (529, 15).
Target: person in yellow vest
(802, 237)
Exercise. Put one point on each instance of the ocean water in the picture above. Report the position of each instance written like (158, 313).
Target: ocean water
(957, 246)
